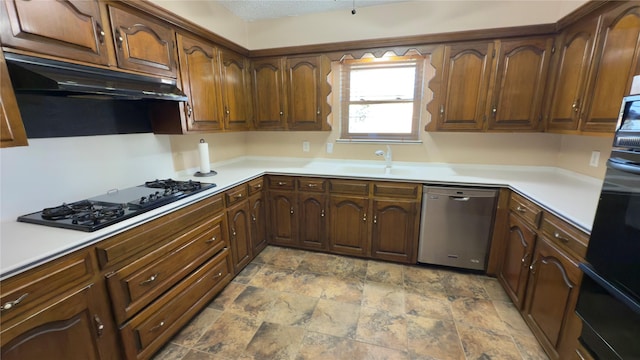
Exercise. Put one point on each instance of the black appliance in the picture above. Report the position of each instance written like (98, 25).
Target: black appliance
(609, 301)
(115, 206)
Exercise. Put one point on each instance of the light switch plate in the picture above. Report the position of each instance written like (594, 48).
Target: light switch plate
(305, 146)
(595, 158)
(329, 148)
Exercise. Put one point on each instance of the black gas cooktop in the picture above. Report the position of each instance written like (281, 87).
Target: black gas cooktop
(116, 205)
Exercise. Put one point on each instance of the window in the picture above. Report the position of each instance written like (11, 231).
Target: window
(381, 98)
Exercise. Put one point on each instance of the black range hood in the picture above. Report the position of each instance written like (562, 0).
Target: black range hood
(49, 77)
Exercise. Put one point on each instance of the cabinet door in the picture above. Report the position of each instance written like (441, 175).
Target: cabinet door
(143, 44)
(71, 29)
(236, 90)
(519, 84)
(304, 93)
(462, 94)
(312, 220)
(200, 82)
(12, 131)
(575, 52)
(268, 94)
(552, 294)
(75, 326)
(349, 225)
(395, 230)
(283, 218)
(258, 223)
(514, 272)
(239, 218)
(615, 64)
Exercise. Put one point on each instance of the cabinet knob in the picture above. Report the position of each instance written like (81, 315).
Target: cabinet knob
(558, 236)
(375, 219)
(312, 185)
(101, 33)
(318, 112)
(576, 105)
(521, 209)
(189, 111)
(233, 232)
(99, 325)
(10, 304)
(494, 111)
(213, 239)
(281, 113)
(227, 111)
(217, 275)
(238, 196)
(291, 210)
(161, 324)
(281, 183)
(151, 279)
(364, 218)
(119, 39)
(441, 110)
(253, 218)
(322, 213)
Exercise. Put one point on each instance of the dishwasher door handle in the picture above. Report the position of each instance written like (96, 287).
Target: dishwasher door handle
(460, 198)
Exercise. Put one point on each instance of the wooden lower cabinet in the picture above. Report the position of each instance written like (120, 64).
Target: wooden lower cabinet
(239, 219)
(312, 221)
(554, 282)
(395, 227)
(349, 227)
(514, 272)
(257, 207)
(283, 218)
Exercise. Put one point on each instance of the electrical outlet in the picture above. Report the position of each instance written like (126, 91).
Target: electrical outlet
(305, 146)
(329, 148)
(595, 158)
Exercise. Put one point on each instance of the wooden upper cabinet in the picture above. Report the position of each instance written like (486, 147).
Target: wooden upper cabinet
(615, 64)
(305, 93)
(143, 44)
(519, 84)
(200, 78)
(459, 100)
(236, 90)
(71, 29)
(575, 53)
(268, 94)
(12, 131)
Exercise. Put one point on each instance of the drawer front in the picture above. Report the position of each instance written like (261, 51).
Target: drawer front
(349, 187)
(312, 184)
(397, 190)
(282, 183)
(27, 290)
(153, 234)
(256, 185)
(139, 283)
(565, 235)
(153, 327)
(526, 209)
(236, 194)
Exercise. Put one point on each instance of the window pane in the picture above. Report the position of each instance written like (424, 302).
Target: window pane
(396, 118)
(382, 84)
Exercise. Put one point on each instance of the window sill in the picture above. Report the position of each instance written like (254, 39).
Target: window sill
(377, 141)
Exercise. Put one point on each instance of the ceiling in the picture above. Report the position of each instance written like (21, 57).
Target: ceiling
(251, 10)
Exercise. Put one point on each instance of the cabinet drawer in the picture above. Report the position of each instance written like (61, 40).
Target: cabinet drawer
(526, 209)
(140, 282)
(282, 183)
(256, 185)
(312, 184)
(236, 194)
(565, 235)
(349, 187)
(145, 237)
(27, 290)
(153, 327)
(397, 190)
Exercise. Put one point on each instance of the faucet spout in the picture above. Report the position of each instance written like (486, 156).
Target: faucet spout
(388, 156)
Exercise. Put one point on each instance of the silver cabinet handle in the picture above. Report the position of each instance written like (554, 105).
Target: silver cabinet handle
(291, 210)
(576, 105)
(119, 39)
(238, 196)
(10, 304)
(227, 111)
(494, 111)
(213, 239)
(365, 217)
(281, 183)
(233, 232)
(281, 113)
(441, 110)
(558, 236)
(189, 111)
(318, 112)
(312, 185)
(101, 33)
(253, 217)
(217, 275)
(521, 209)
(99, 325)
(375, 219)
(322, 213)
(161, 324)
(524, 258)
(258, 187)
(151, 279)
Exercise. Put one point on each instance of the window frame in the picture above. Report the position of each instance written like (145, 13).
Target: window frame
(348, 64)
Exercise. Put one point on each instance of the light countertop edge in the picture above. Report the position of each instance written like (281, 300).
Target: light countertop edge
(569, 195)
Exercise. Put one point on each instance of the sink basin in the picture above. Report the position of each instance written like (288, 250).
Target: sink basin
(361, 169)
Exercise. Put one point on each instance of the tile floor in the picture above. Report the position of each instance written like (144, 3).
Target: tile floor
(292, 304)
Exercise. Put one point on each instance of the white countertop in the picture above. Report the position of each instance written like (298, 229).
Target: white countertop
(572, 196)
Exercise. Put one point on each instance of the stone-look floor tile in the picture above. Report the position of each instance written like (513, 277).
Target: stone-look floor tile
(494, 289)
(383, 297)
(335, 318)
(307, 283)
(286, 258)
(422, 280)
(479, 343)
(266, 255)
(229, 335)
(433, 339)
(247, 273)
(199, 355)
(436, 306)
(292, 310)
(477, 312)
(318, 346)
(383, 272)
(273, 278)
(513, 321)
(467, 285)
(171, 352)
(275, 342)
(316, 263)
(191, 333)
(227, 296)
(338, 266)
(379, 327)
(347, 290)
(253, 302)
(529, 347)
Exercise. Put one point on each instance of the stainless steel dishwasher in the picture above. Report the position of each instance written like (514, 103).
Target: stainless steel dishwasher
(456, 226)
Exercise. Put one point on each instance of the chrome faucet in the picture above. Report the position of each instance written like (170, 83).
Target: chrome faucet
(388, 157)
